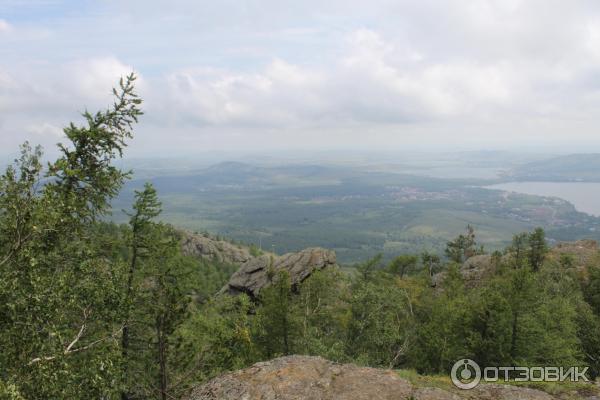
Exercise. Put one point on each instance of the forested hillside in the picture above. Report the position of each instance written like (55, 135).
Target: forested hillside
(569, 168)
(91, 309)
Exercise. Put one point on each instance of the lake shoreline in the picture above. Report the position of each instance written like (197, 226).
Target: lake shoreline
(583, 195)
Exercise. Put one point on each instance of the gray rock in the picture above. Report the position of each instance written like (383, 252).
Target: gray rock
(258, 272)
(506, 392)
(201, 246)
(305, 378)
(433, 394)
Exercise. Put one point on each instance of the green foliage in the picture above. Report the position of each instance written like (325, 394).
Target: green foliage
(60, 294)
(403, 264)
(588, 326)
(217, 337)
(255, 251)
(463, 247)
(321, 307)
(370, 267)
(591, 289)
(381, 323)
(529, 249)
(431, 262)
(441, 327)
(83, 179)
(277, 325)
(537, 248)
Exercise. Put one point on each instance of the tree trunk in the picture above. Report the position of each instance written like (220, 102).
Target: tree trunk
(162, 355)
(125, 335)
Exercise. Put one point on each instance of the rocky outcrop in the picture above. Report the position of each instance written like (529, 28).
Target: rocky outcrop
(583, 252)
(259, 272)
(433, 394)
(506, 392)
(478, 268)
(314, 378)
(475, 270)
(305, 378)
(481, 267)
(204, 246)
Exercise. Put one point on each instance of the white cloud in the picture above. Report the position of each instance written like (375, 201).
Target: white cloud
(94, 78)
(5, 27)
(505, 69)
(45, 129)
(374, 81)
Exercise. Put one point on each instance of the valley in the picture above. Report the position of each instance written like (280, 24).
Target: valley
(358, 210)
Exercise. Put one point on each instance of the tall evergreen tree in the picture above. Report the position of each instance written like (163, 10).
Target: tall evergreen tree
(146, 208)
(277, 324)
(537, 249)
(60, 294)
(519, 250)
(463, 246)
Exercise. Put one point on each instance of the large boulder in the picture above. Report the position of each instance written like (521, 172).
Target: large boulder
(305, 378)
(259, 272)
(207, 247)
(314, 378)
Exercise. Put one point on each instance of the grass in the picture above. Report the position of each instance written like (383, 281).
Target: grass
(563, 390)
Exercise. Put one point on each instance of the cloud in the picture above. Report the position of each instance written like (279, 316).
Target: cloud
(37, 102)
(5, 27)
(93, 78)
(374, 81)
(271, 75)
(45, 129)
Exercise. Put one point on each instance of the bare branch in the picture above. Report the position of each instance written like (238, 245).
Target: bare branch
(69, 350)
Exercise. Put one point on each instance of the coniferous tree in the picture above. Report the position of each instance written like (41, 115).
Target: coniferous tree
(463, 247)
(60, 302)
(537, 248)
(146, 208)
(519, 250)
(277, 324)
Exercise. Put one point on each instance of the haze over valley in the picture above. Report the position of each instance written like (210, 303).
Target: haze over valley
(361, 205)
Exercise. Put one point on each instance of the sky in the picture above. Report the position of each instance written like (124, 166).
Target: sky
(277, 75)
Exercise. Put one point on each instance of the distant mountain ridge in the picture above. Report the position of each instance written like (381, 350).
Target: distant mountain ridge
(569, 168)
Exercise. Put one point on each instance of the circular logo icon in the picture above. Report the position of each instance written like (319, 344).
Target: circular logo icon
(465, 374)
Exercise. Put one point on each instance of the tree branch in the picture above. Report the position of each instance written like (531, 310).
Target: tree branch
(69, 349)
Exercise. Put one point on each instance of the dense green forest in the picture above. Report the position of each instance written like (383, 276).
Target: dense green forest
(91, 309)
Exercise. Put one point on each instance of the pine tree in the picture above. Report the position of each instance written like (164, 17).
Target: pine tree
(537, 249)
(276, 322)
(463, 247)
(146, 207)
(519, 250)
(60, 294)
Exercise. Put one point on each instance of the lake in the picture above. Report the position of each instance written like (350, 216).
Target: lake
(585, 196)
